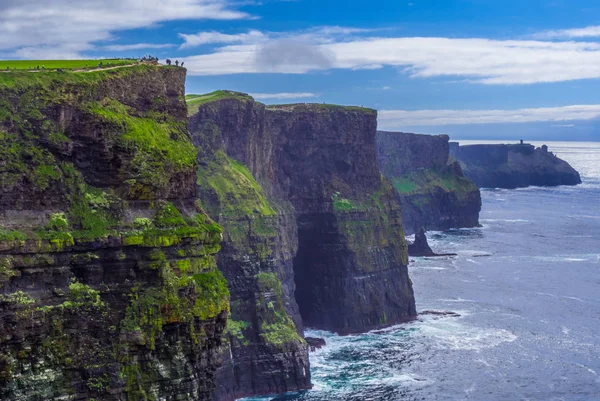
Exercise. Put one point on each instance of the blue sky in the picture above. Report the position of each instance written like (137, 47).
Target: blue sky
(470, 68)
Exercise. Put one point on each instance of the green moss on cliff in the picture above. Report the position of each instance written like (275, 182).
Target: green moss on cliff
(195, 101)
(424, 181)
(237, 192)
(161, 145)
(183, 295)
(373, 222)
(276, 327)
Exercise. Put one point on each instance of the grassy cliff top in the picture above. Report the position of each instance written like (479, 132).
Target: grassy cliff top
(194, 101)
(49, 79)
(319, 108)
(62, 64)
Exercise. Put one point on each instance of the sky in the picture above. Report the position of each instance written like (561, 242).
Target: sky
(485, 69)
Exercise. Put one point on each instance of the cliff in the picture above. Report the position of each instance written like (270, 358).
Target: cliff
(434, 192)
(264, 351)
(321, 243)
(108, 281)
(513, 166)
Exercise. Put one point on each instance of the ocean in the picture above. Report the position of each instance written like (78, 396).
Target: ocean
(515, 316)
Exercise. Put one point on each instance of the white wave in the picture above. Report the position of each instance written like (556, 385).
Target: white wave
(561, 258)
(504, 220)
(455, 335)
(474, 254)
(428, 267)
(401, 378)
(457, 300)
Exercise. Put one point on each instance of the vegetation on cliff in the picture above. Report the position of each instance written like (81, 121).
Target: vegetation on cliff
(195, 101)
(108, 280)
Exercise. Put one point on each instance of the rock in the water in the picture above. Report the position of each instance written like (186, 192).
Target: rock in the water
(513, 166)
(420, 247)
(315, 343)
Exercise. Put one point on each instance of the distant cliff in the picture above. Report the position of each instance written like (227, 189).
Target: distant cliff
(108, 281)
(434, 192)
(320, 243)
(513, 166)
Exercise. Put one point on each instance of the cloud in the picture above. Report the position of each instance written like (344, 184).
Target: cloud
(58, 26)
(292, 55)
(212, 37)
(395, 119)
(587, 32)
(137, 46)
(483, 61)
(284, 95)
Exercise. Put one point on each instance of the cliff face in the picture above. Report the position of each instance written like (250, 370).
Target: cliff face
(323, 242)
(108, 280)
(434, 192)
(265, 352)
(350, 269)
(513, 166)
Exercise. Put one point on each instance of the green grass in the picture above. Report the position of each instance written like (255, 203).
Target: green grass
(237, 191)
(319, 107)
(161, 145)
(195, 101)
(63, 64)
(427, 180)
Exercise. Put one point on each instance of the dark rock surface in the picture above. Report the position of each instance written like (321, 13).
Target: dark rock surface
(264, 352)
(420, 247)
(315, 343)
(108, 281)
(513, 166)
(434, 192)
(337, 246)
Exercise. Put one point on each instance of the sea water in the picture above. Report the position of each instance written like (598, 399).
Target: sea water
(515, 316)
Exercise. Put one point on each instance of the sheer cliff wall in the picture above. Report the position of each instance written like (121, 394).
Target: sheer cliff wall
(434, 192)
(109, 287)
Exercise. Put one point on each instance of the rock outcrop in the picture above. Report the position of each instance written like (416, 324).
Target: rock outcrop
(323, 244)
(434, 192)
(264, 351)
(109, 287)
(420, 247)
(513, 166)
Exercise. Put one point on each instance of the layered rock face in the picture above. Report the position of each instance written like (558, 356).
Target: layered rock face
(322, 240)
(513, 166)
(434, 192)
(108, 281)
(265, 352)
(350, 269)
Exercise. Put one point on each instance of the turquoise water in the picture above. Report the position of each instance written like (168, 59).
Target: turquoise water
(524, 292)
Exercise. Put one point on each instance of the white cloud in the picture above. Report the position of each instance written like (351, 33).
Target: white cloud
(212, 37)
(284, 95)
(395, 119)
(57, 27)
(485, 61)
(137, 46)
(587, 32)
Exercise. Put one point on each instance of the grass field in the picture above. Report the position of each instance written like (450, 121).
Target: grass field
(194, 101)
(63, 64)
